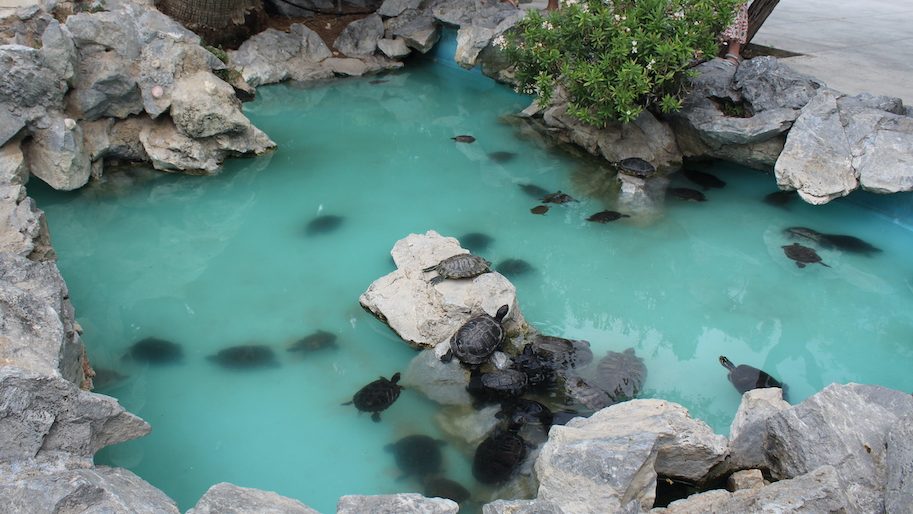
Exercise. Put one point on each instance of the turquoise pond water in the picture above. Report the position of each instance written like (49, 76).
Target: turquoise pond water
(219, 261)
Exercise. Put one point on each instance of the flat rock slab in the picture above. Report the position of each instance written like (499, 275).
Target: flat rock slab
(410, 503)
(225, 498)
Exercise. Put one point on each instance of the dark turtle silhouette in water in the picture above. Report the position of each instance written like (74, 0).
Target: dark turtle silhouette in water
(803, 255)
(805, 233)
(514, 267)
(620, 375)
(705, 180)
(745, 377)
(247, 356)
(538, 372)
(476, 241)
(607, 216)
(521, 411)
(539, 209)
(498, 384)
(560, 353)
(558, 197)
(637, 167)
(439, 487)
(153, 350)
(417, 455)
(834, 241)
(105, 378)
(502, 157)
(684, 193)
(580, 390)
(498, 456)
(533, 190)
(464, 139)
(323, 224)
(378, 81)
(462, 265)
(780, 198)
(477, 339)
(377, 396)
(313, 342)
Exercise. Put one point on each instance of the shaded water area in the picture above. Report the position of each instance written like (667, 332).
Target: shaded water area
(227, 260)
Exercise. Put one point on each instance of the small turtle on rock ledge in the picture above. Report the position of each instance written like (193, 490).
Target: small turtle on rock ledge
(463, 265)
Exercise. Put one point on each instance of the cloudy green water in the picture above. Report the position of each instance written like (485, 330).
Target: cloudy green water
(221, 261)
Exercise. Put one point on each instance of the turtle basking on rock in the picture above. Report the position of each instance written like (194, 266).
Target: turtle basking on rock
(377, 396)
(462, 265)
(803, 255)
(478, 338)
(498, 384)
(745, 377)
(417, 455)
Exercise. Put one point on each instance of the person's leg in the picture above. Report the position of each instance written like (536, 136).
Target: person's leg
(552, 5)
(734, 51)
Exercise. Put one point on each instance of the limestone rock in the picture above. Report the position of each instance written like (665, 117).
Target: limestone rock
(405, 503)
(273, 56)
(417, 29)
(899, 464)
(105, 30)
(393, 48)
(766, 83)
(845, 426)
(485, 13)
(312, 7)
(392, 8)
(99, 489)
(225, 498)
(24, 230)
(471, 40)
(745, 479)
(203, 105)
(468, 424)
(748, 434)
(13, 168)
(58, 50)
(536, 506)
(165, 59)
(360, 37)
(47, 416)
(57, 156)
(104, 86)
(348, 67)
(425, 315)
(28, 89)
(715, 79)
(818, 491)
(444, 383)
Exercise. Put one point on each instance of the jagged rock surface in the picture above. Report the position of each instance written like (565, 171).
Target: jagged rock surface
(360, 37)
(748, 433)
(395, 504)
(225, 498)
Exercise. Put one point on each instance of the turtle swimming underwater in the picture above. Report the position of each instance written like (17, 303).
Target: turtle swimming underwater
(745, 377)
(620, 375)
(498, 384)
(684, 193)
(417, 455)
(437, 487)
(501, 156)
(316, 341)
(155, 351)
(780, 198)
(477, 339)
(607, 216)
(323, 224)
(499, 456)
(558, 197)
(461, 265)
(245, 357)
(533, 190)
(802, 255)
(837, 241)
(377, 396)
(514, 267)
(475, 241)
(464, 139)
(705, 180)
(539, 209)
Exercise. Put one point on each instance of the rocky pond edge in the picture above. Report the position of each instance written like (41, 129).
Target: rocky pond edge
(128, 84)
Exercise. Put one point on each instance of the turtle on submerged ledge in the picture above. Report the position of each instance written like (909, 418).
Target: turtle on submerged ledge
(377, 396)
(803, 255)
(499, 456)
(417, 455)
(462, 265)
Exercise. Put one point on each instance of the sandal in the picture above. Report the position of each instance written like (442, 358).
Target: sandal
(734, 59)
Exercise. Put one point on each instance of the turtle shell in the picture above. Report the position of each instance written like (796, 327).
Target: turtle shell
(527, 412)
(560, 353)
(538, 371)
(620, 375)
(745, 378)
(498, 457)
(801, 253)
(502, 383)
(417, 455)
(377, 395)
(636, 167)
(477, 339)
(464, 265)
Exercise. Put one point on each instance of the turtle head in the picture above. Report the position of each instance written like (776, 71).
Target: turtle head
(726, 362)
(395, 378)
(502, 312)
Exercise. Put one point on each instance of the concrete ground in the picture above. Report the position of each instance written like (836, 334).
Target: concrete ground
(851, 45)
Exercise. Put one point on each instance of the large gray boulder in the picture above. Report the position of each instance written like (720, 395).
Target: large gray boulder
(766, 83)
(393, 48)
(225, 498)
(165, 59)
(536, 506)
(202, 106)
(609, 462)
(360, 37)
(416, 28)
(748, 433)
(13, 168)
(899, 463)
(406, 503)
(845, 426)
(312, 7)
(392, 8)
(105, 31)
(426, 315)
(817, 491)
(58, 50)
(57, 154)
(28, 90)
(273, 56)
(23, 229)
(100, 489)
(104, 86)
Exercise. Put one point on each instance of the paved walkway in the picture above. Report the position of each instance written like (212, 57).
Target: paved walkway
(851, 45)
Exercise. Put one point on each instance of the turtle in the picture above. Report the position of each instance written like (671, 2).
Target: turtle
(849, 244)
(501, 156)
(780, 198)
(497, 384)
(607, 216)
(745, 377)
(377, 396)
(578, 389)
(462, 265)
(245, 357)
(805, 232)
(514, 267)
(803, 255)
(464, 138)
(560, 353)
(691, 195)
(498, 456)
(637, 167)
(539, 209)
(705, 180)
(323, 224)
(439, 487)
(538, 373)
(378, 81)
(417, 455)
(526, 412)
(558, 197)
(620, 374)
(153, 350)
(476, 241)
(533, 190)
(477, 339)
(317, 341)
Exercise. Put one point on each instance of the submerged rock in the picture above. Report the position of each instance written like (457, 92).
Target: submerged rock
(224, 498)
(444, 383)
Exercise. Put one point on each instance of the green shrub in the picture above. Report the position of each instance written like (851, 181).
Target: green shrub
(616, 58)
